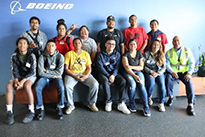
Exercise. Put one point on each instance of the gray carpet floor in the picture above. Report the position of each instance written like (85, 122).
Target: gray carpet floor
(84, 123)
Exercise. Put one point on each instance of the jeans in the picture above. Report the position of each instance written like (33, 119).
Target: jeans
(92, 84)
(119, 81)
(188, 85)
(41, 84)
(133, 85)
(150, 82)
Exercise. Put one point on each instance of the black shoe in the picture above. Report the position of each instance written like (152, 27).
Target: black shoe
(10, 118)
(170, 101)
(190, 111)
(29, 117)
(40, 114)
(60, 113)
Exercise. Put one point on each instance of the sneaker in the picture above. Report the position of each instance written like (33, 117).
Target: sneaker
(132, 108)
(108, 107)
(122, 107)
(161, 107)
(60, 113)
(40, 114)
(146, 111)
(170, 101)
(10, 118)
(150, 102)
(69, 110)
(190, 110)
(93, 107)
(29, 117)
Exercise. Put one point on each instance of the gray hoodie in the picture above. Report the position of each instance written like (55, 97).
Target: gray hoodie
(54, 65)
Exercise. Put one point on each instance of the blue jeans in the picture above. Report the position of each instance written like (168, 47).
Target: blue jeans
(188, 85)
(133, 85)
(41, 84)
(150, 82)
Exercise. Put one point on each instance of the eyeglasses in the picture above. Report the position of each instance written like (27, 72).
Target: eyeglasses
(110, 44)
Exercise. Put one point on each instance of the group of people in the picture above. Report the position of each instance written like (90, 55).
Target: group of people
(130, 60)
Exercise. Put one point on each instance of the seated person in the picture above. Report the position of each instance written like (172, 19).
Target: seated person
(155, 66)
(108, 62)
(180, 66)
(133, 63)
(23, 67)
(78, 69)
(50, 68)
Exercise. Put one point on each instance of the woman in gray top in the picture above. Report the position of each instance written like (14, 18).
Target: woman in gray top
(155, 65)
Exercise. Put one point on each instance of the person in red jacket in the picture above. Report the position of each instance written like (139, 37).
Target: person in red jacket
(63, 42)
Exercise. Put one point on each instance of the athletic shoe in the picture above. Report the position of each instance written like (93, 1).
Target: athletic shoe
(40, 114)
(69, 110)
(29, 117)
(132, 108)
(108, 107)
(190, 111)
(122, 107)
(10, 118)
(93, 107)
(161, 107)
(146, 111)
(150, 102)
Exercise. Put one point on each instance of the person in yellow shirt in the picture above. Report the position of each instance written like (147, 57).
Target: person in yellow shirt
(78, 69)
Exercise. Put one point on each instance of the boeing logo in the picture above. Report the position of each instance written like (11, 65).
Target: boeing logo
(15, 6)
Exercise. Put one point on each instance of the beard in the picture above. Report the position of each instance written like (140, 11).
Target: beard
(110, 27)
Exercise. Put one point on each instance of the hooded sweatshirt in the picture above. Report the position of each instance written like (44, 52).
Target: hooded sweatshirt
(54, 64)
(108, 64)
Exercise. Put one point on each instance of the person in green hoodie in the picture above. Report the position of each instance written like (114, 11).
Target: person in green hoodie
(50, 68)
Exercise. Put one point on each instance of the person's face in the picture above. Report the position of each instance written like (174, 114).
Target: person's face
(155, 46)
(132, 45)
(77, 44)
(133, 21)
(84, 33)
(154, 26)
(51, 47)
(22, 45)
(176, 42)
(110, 45)
(110, 24)
(34, 24)
(61, 30)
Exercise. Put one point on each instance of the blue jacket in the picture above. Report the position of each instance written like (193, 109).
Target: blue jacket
(108, 64)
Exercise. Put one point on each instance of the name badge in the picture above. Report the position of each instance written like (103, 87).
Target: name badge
(61, 42)
(107, 63)
(52, 67)
(28, 65)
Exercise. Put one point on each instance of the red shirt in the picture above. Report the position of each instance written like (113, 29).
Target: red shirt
(63, 45)
(139, 34)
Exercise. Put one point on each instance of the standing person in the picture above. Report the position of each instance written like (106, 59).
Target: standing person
(133, 63)
(136, 32)
(78, 69)
(50, 68)
(63, 42)
(155, 66)
(180, 66)
(110, 31)
(108, 66)
(37, 39)
(89, 44)
(154, 34)
(23, 68)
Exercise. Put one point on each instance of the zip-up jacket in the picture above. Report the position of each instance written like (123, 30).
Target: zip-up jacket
(22, 70)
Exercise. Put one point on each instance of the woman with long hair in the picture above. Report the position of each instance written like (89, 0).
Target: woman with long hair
(155, 65)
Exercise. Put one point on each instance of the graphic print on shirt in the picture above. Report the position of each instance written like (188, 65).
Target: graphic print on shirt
(78, 65)
(134, 36)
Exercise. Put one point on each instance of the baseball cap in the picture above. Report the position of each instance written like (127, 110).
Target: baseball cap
(110, 18)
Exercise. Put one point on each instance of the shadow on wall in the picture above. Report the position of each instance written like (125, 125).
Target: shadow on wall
(122, 24)
(96, 26)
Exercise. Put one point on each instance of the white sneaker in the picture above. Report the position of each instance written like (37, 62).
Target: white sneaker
(150, 102)
(161, 107)
(108, 107)
(69, 110)
(122, 107)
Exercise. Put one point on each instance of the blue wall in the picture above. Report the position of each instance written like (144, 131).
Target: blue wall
(184, 18)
